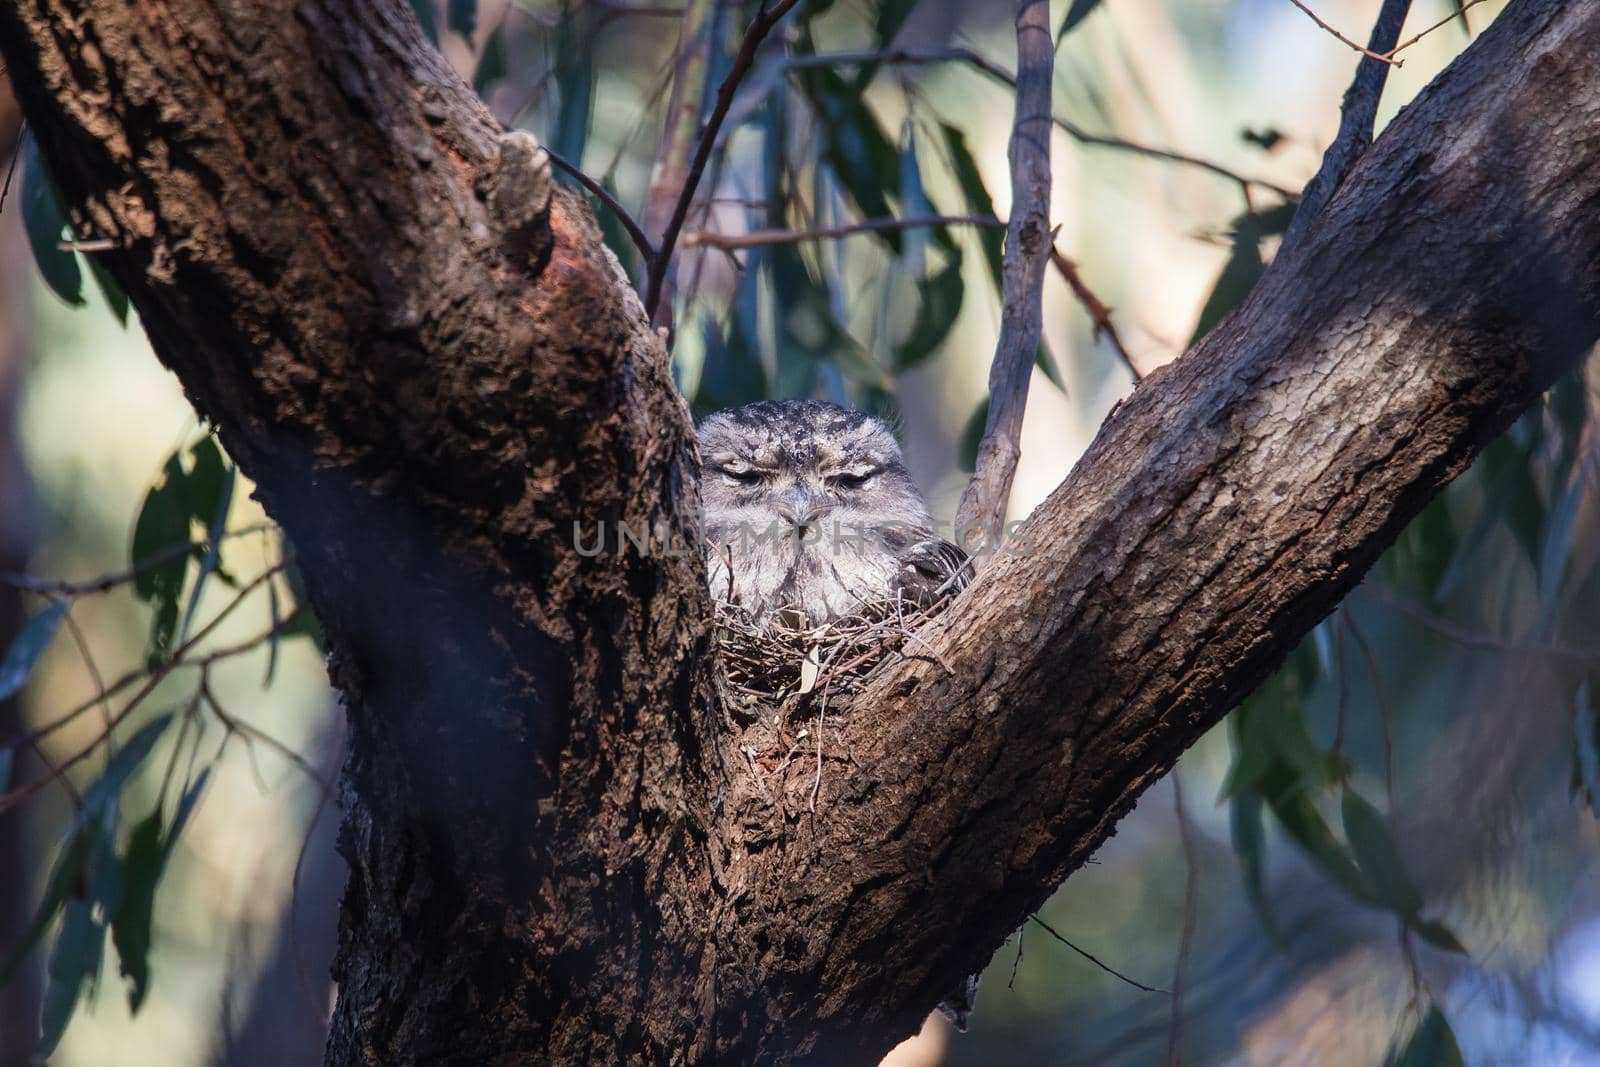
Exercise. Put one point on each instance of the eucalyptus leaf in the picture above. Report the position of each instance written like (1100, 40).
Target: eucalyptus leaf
(46, 223)
(116, 299)
(574, 87)
(940, 305)
(130, 925)
(1378, 857)
(74, 961)
(1080, 10)
(462, 16)
(427, 19)
(1249, 844)
(1432, 1044)
(28, 646)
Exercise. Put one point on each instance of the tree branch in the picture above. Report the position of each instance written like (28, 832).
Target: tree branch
(1369, 52)
(759, 238)
(1357, 114)
(742, 61)
(1027, 252)
(635, 231)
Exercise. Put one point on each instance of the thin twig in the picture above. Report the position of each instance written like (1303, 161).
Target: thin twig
(1380, 692)
(692, 69)
(1457, 13)
(92, 244)
(1358, 114)
(152, 679)
(1099, 313)
(1027, 253)
(758, 238)
(998, 73)
(93, 668)
(1113, 972)
(1369, 53)
(107, 582)
(11, 168)
(639, 239)
(742, 61)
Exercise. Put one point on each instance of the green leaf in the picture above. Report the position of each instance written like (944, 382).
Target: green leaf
(130, 926)
(855, 147)
(149, 850)
(74, 962)
(46, 223)
(936, 314)
(1437, 934)
(1249, 844)
(1432, 1044)
(1239, 275)
(972, 436)
(1378, 857)
(66, 879)
(914, 199)
(1253, 757)
(28, 646)
(1079, 11)
(574, 87)
(892, 15)
(462, 16)
(426, 19)
(979, 202)
(210, 485)
(104, 792)
(116, 299)
(732, 375)
(492, 64)
(1586, 727)
(1305, 824)
(163, 522)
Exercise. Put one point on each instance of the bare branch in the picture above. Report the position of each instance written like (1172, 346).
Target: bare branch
(742, 61)
(1112, 971)
(1368, 52)
(1000, 74)
(1357, 115)
(635, 231)
(1458, 13)
(1099, 313)
(671, 171)
(1028, 246)
(759, 238)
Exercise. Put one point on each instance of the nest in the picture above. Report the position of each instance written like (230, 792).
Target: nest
(764, 665)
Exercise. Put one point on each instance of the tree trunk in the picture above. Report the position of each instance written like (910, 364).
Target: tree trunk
(432, 379)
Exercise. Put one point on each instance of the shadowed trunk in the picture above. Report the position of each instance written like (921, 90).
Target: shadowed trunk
(433, 369)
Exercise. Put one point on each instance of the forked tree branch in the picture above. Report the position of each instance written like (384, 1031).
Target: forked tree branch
(550, 855)
(1029, 242)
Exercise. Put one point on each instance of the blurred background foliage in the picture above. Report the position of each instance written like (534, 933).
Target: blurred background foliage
(1389, 854)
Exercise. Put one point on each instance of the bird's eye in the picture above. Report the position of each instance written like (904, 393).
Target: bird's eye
(742, 475)
(853, 479)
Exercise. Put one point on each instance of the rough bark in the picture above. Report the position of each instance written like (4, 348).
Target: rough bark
(550, 859)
